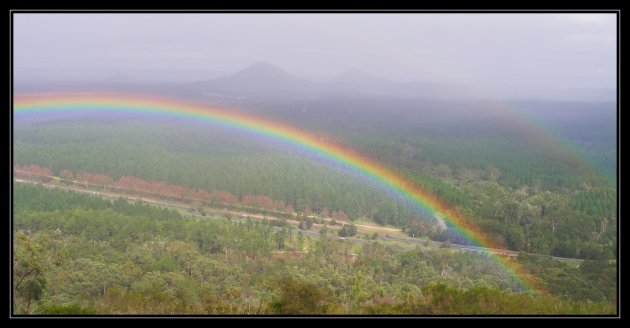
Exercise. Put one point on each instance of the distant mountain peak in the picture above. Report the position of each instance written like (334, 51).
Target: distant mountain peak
(258, 80)
(262, 69)
(263, 65)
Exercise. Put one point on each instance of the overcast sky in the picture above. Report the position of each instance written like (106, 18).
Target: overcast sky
(491, 51)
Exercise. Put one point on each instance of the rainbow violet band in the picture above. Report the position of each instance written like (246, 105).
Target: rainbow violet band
(151, 105)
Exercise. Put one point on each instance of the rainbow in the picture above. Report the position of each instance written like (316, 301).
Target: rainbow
(319, 146)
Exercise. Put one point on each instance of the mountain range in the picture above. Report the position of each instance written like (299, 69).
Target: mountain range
(266, 81)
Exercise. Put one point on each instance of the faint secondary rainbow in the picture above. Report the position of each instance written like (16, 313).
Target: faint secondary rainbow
(142, 104)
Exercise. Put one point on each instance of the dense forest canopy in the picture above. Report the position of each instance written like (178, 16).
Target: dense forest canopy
(525, 197)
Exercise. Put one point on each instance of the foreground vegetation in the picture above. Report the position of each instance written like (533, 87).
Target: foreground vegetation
(78, 254)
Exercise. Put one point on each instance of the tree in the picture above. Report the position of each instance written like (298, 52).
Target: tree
(184, 254)
(67, 175)
(323, 232)
(352, 230)
(348, 230)
(298, 297)
(29, 264)
(158, 294)
(443, 170)
(492, 173)
(280, 238)
(341, 215)
(300, 241)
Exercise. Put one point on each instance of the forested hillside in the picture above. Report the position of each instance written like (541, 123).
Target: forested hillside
(78, 254)
(524, 198)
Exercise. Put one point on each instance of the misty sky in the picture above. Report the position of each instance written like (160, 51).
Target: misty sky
(496, 52)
